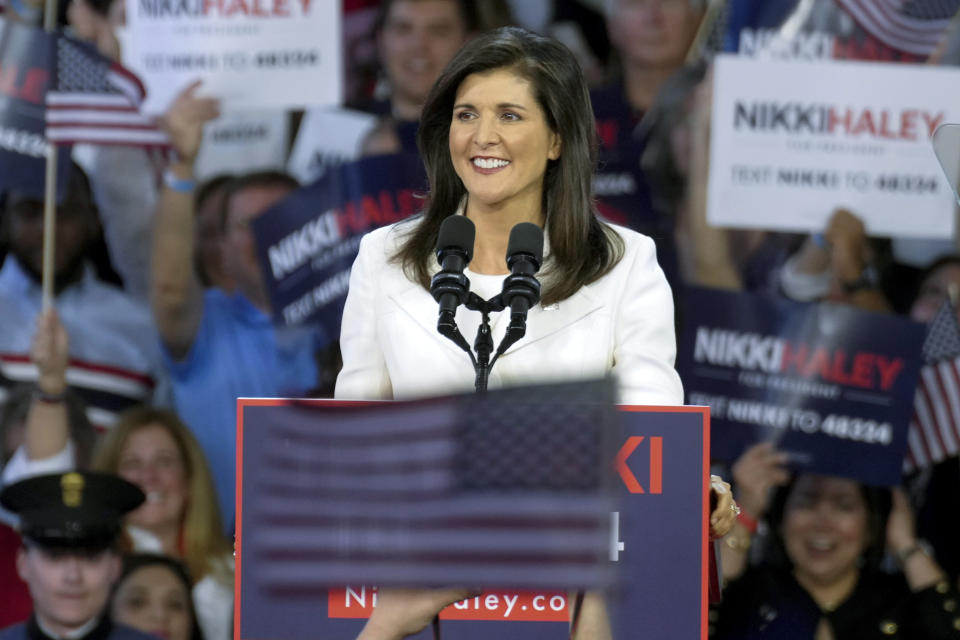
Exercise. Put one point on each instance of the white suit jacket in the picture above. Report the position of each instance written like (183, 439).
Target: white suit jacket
(622, 323)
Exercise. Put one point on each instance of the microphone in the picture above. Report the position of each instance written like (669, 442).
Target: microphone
(521, 290)
(449, 286)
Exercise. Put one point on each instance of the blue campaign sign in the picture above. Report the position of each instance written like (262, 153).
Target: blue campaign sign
(832, 385)
(657, 544)
(25, 63)
(838, 29)
(307, 243)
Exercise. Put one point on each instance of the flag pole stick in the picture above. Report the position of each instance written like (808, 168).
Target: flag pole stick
(50, 184)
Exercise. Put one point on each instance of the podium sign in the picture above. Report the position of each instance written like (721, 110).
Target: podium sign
(658, 544)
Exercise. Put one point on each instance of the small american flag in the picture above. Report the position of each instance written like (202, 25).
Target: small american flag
(95, 100)
(912, 26)
(509, 489)
(934, 431)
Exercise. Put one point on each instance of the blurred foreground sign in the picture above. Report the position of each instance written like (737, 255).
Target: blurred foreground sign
(792, 141)
(515, 461)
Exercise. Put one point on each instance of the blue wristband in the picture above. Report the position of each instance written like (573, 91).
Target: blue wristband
(180, 185)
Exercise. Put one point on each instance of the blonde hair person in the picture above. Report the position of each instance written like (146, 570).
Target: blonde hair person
(154, 449)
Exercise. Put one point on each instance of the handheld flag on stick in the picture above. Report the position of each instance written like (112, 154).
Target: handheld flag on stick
(935, 428)
(95, 100)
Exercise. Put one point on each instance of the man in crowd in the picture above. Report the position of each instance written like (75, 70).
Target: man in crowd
(220, 345)
(651, 38)
(416, 39)
(115, 362)
(70, 525)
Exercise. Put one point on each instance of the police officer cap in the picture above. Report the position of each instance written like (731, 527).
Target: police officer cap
(75, 510)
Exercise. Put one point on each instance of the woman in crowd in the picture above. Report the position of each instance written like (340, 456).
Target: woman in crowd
(153, 449)
(821, 576)
(153, 595)
(507, 136)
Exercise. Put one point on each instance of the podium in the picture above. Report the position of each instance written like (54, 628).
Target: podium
(658, 544)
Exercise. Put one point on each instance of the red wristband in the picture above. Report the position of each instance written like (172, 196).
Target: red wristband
(747, 521)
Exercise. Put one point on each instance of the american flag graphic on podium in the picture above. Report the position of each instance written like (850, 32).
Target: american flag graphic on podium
(94, 100)
(912, 26)
(511, 488)
(934, 431)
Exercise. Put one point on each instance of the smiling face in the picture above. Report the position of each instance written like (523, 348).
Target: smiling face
(825, 528)
(500, 143)
(418, 39)
(68, 588)
(653, 33)
(154, 600)
(151, 459)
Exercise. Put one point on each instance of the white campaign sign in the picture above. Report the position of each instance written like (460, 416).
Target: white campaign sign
(251, 54)
(327, 138)
(793, 141)
(242, 141)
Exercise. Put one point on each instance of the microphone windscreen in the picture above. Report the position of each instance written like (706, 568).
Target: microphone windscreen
(458, 233)
(526, 237)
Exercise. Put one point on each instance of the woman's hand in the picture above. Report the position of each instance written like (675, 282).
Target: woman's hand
(50, 353)
(725, 513)
(401, 612)
(756, 471)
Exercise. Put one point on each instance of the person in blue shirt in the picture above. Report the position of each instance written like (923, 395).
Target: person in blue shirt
(220, 345)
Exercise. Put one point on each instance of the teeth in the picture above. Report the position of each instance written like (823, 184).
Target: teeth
(490, 163)
(821, 545)
(154, 496)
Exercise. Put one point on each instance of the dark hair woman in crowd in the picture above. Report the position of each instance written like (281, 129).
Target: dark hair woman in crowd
(821, 576)
(152, 594)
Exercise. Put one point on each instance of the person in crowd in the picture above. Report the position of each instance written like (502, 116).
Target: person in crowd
(152, 594)
(208, 203)
(508, 136)
(70, 524)
(113, 347)
(30, 445)
(415, 39)
(155, 451)
(220, 345)
(821, 576)
(651, 39)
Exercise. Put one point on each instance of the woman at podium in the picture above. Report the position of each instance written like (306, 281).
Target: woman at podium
(508, 136)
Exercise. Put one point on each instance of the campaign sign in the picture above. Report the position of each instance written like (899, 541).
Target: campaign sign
(793, 141)
(252, 54)
(831, 385)
(327, 138)
(307, 243)
(24, 74)
(242, 141)
(658, 544)
(797, 30)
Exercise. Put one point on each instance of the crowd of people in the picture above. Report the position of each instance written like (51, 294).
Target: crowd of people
(123, 396)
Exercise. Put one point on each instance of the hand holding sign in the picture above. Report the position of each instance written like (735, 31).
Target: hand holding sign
(184, 121)
(756, 472)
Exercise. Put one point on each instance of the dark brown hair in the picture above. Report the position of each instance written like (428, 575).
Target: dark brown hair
(582, 249)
